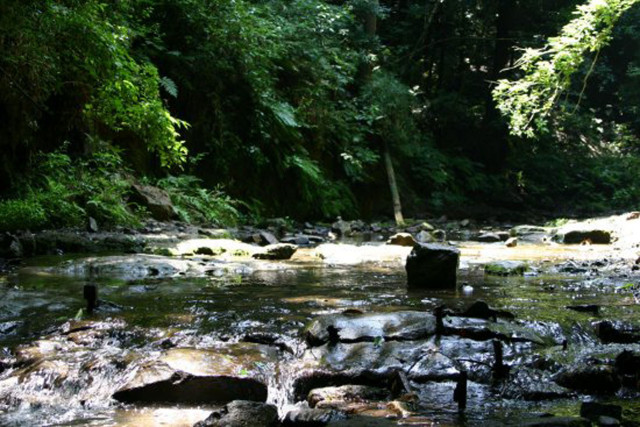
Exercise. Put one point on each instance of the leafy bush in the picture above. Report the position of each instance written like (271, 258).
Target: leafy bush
(21, 214)
(196, 204)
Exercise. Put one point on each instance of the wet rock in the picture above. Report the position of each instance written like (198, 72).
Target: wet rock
(157, 201)
(39, 350)
(425, 237)
(627, 366)
(569, 237)
(432, 266)
(506, 268)
(483, 330)
(193, 377)
(530, 385)
(488, 238)
(130, 267)
(557, 422)
(481, 310)
(242, 413)
(511, 242)
(399, 326)
(590, 379)
(531, 233)
(311, 417)
(55, 241)
(339, 397)
(616, 332)
(46, 374)
(366, 363)
(604, 421)
(594, 410)
(280, 251)
(402, 239)
(264, 238)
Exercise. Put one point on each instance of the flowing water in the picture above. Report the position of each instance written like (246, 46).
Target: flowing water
(144, 316)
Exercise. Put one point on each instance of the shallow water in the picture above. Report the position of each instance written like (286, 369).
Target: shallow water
(201, 311)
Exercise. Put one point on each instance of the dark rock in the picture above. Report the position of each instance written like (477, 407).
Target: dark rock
(242, 413)
(594, 410)
(590, 379)
(616, 332)
(488, 238)
(504, 235)
(401, 239)
(156, 200)
(280, 251)
(484, 330)
(627, 366)
(194, 377)
(481, 310)
(399, 326)
(506, 268)
(585, 308)
(204, 250)
(432, 266)
(311, 417)
(578, 236)
(557, 422)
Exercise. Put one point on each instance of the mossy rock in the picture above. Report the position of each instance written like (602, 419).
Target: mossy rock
(506, 268)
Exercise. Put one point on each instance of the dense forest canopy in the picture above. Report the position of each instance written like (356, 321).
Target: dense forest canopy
(251, 108)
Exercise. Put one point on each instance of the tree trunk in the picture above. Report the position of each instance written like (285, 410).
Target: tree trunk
(391, 176)
(370, 26)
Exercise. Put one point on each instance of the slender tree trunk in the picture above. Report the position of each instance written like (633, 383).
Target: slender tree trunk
(370, 26)
(391, 176)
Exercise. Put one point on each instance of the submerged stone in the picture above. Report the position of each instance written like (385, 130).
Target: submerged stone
(594, 410)
(242, 413)
(432, 266)
(311, 417)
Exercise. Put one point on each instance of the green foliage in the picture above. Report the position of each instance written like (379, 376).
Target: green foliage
(528, 100)
(196, 204)
(63, 192)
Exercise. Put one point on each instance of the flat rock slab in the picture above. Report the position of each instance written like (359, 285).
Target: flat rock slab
(340, 397)
(400, 326)
(130, 267)
(368, 363)
(193, 377)
(482, 330)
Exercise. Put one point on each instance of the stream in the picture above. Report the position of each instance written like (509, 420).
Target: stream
(62, 366)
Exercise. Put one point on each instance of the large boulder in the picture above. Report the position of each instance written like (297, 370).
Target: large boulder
(281, 251)
(197, 377)
(401, 239)
(156, 200)
(432, 266)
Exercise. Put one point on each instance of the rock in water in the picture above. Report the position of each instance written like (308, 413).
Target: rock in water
(401, 239)
(432, 266)
(280, 251)
(242, 413)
